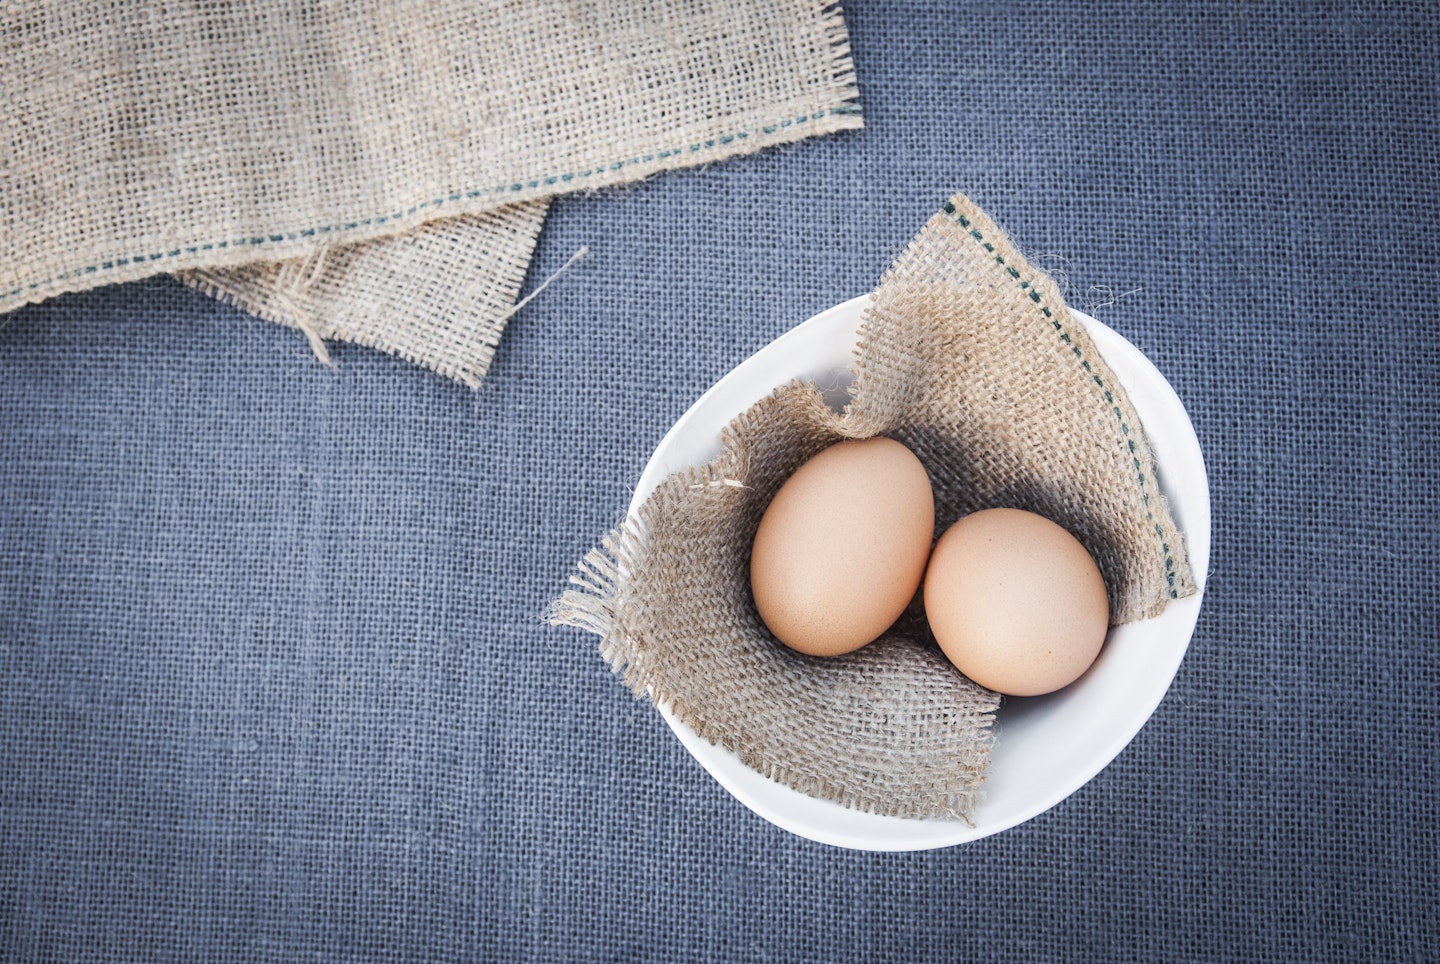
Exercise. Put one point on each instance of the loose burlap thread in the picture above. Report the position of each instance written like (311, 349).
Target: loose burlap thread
(294, 157)
(968, 356)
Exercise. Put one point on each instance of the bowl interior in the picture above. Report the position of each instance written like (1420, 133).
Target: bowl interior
(1046, 746)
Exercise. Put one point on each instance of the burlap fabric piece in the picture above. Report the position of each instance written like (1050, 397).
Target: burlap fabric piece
(968, 356)
(208, 137)
(438, 295)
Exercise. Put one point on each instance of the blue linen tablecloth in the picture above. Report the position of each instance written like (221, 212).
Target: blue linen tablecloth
(274, 682)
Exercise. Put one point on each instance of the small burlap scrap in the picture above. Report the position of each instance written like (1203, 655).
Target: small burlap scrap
(439, 295)
(210, 137)
(969, 357)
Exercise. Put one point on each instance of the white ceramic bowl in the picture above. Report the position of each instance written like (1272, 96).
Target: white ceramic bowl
(1046, 747)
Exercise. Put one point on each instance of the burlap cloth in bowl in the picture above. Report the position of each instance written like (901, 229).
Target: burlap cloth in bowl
(968, 356)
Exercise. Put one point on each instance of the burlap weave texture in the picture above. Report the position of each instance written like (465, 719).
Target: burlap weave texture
(969, 357)
(144, 139)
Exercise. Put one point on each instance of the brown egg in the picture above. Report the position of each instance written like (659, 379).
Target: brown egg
(1016, 602)
(841, 549)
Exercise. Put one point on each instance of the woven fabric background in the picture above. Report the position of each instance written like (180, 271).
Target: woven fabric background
(273, 678)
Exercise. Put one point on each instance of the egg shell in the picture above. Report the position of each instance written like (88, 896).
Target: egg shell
(842, 547)
(1016, 602)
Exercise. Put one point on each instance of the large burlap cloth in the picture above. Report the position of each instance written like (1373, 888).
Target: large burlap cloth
(968, 356)
(275, 151)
